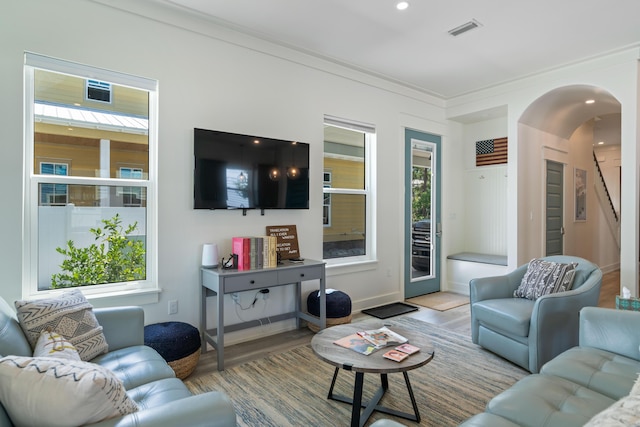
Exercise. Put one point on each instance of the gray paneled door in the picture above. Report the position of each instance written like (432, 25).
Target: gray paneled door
(555, 200)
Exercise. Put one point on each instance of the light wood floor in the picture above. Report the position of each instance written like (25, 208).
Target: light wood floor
(457, 319)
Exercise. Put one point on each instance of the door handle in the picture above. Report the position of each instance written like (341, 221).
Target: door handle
(562, 230)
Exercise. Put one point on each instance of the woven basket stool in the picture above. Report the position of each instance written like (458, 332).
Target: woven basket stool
(177, 342)
(338, 308)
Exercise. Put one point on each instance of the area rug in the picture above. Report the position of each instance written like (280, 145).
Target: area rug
(390, 310)
(441, 301)
(290, 389)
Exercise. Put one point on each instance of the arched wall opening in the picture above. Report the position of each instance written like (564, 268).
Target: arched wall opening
(560, 126)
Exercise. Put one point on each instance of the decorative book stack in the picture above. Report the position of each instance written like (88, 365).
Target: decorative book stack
(255, 252)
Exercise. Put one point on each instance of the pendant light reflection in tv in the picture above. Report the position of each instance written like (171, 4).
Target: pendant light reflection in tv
(293, 172)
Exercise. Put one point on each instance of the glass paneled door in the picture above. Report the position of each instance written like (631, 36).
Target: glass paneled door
(422, 213)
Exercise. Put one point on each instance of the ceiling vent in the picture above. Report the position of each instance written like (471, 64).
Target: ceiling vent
(464, 28)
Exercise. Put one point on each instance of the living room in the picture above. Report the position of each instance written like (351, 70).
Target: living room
(215, 78)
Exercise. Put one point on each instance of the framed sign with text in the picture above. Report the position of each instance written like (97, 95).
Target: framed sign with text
(287, 238)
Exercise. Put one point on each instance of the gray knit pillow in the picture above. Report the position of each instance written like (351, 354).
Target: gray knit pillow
(70, 315)
(545, 277)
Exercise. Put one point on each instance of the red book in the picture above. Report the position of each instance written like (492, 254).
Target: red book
(241, 246)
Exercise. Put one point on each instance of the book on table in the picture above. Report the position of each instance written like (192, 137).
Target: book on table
(382, 337)
(395, 355)
(408, 348)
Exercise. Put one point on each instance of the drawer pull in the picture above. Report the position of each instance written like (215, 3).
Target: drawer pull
(301, 274)
(252, 282)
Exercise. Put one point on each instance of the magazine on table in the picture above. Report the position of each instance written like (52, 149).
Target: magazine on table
(382, 337)
(356, 343)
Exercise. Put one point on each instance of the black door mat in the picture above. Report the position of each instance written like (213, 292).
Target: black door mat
(390, 310)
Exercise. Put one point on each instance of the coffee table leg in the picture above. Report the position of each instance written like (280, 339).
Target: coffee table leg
(413, 398)
(333, 383)
(357, 401)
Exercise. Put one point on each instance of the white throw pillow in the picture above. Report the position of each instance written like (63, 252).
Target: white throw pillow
(49, 391)
(70, 315)
(52, 344)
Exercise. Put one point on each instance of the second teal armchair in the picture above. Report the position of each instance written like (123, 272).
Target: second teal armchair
(526, 332)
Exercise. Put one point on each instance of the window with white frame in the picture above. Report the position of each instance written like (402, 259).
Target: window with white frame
(348, 217)
(73, 217)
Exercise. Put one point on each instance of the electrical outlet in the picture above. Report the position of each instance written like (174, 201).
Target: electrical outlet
(235, 296)
(173, 306)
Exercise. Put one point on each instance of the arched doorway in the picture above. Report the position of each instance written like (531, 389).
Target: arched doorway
(565, 126)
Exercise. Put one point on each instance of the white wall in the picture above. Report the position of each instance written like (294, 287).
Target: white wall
(211, 78)
(485, 190)
(616, 74)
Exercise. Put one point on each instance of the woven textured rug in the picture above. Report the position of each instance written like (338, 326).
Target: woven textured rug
(290, 389)
(441, 301)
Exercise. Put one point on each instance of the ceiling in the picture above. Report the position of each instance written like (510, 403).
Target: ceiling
(413, 47)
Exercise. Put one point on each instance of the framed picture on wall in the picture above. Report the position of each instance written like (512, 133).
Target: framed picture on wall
(580, 189)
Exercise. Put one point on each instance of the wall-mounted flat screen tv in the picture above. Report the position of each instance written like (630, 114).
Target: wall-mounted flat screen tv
(234, 171)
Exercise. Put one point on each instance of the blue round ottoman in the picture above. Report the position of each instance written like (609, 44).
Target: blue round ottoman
(338, 308)
(177, 342)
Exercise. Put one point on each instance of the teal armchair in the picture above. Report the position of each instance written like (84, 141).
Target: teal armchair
(526, 332)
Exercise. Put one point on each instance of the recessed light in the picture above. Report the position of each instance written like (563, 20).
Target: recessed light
(402, 5)
(601, 143)
(256, 141)
(589, 101)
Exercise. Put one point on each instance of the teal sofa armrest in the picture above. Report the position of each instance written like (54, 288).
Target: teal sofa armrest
(562, 308)
(122, 326)
(212, 409)
(611, 330)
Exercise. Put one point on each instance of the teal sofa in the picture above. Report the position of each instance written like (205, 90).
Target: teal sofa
(164, 400)
(593, 383)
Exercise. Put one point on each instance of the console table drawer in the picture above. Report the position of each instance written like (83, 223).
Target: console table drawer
(249, 282)
(298, 275)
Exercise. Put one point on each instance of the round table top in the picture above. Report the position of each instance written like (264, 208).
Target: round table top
(323, 346)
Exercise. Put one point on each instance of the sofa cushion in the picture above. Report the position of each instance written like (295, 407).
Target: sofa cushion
(545, 277)
(136, 365)
(51, 344)
(68, 392)
(599, 370)
(543, 400)
(510, 315)
(158, 393)
(70, 315)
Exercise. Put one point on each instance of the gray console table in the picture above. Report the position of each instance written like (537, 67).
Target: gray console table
(217, 282)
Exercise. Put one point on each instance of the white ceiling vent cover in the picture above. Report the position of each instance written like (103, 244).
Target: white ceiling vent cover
(465, 27)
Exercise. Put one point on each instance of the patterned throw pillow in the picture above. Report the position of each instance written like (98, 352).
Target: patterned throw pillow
(545, 277)
(70, 315)
(69, 393)
(51, 344)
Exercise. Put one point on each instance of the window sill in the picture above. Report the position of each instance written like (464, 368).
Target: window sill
(123, 298)
(350, 267)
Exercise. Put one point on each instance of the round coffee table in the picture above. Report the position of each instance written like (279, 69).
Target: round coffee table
(323, 344)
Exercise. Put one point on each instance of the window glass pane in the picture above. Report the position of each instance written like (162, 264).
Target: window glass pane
(346, 234)
(123, 256)
(96, 138)
(344, 157)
